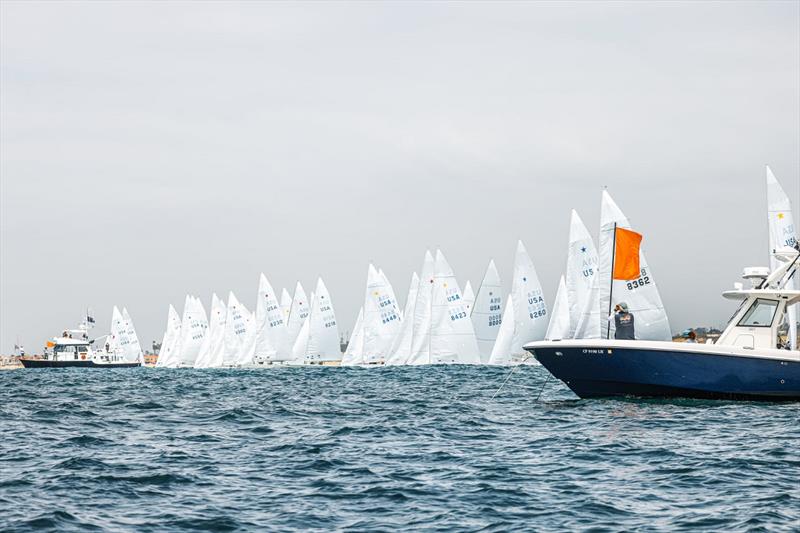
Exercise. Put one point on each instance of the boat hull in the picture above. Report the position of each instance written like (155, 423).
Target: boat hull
(593, 371)
(46, 363)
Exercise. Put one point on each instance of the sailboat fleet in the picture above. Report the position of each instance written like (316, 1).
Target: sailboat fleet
(439, 323)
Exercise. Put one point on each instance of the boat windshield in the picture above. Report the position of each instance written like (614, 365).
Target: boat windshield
(761, 314)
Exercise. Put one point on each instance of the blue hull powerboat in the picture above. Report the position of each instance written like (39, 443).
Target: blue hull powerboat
(602, 369)
(747, 362)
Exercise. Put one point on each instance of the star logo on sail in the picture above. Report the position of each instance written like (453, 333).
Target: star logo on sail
(583, 249)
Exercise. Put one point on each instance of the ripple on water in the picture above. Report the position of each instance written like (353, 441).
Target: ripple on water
(382, 450)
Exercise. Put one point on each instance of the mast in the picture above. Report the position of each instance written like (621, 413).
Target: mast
(611, 280)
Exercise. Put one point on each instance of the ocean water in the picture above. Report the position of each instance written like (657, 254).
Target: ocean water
(382, 449)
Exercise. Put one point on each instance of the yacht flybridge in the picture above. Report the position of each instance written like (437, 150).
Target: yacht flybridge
(749, 361)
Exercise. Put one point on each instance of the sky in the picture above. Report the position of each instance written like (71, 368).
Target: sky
(149, 150)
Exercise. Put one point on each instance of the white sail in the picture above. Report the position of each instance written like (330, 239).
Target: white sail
(271, 334)
(300, 344)
(286, 304)
(354, 354)
(558, 328)
(117, 340)
(212, 351)
(298, 313)
(134, 349)
(487, 312)
(782, 234)
(503, 346)
(530, 310)
(641, 295)
(421, 341)
(381, 317)
(401, 348)
(170, 339)
(236, 333)
(389, 287)
(581, 282)
(452, 338)
(194, 327)
(469, 297)
(323, 331)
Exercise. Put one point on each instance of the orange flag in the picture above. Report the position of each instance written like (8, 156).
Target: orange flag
(626, 254)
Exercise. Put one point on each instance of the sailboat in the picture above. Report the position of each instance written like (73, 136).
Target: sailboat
(469, 296)
(451, 336)
(487, 311)
(212, 351)
(558, 328)
(530, 309)
(318, 340)
(297, 314)
(169, 342)
(271, 342)
(381, 320)
(133, 351)
(581, 282)
(237, 320)
(421, 326)
(503, 345)
(401, 348)
(354, 354)
(782, 234)
(641, 294)
(194, 326)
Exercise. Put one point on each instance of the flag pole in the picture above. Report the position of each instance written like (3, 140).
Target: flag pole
(611, 280)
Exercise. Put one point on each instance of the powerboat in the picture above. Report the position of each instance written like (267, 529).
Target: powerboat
(74, 349)
(749, 361)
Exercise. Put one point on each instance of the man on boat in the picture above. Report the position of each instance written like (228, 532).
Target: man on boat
(623, 321)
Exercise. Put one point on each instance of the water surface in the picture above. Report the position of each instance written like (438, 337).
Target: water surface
(413, 448)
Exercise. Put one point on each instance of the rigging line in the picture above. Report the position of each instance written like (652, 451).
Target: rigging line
(509, 376)
(543, 385)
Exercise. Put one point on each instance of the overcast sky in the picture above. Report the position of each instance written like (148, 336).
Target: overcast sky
(154, 149)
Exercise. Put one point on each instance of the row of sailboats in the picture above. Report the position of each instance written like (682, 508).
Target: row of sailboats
(440, 323)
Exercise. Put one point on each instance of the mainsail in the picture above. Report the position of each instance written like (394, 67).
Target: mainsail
(501, 352)
(297, 314)
(558, 328)
(581, 279)
(782, 234)
(212, 352)
(323, 331)
(286, 305)
(487, 311)
(381, 317)
(530, 310)
(641, 295)
(401, 348)
(194, 327)
(469, 297)
(236, 331)
(452, 338)
(134, 349)
(170, 339)
(271, 333)
(420, 345)
(354, 354)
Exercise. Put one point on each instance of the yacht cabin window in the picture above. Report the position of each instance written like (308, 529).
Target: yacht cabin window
(760, 314)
